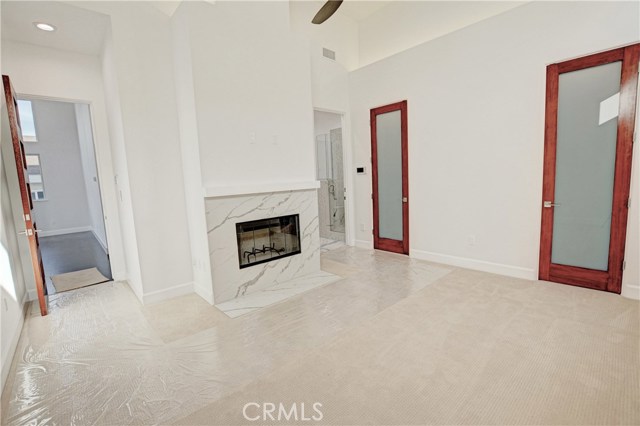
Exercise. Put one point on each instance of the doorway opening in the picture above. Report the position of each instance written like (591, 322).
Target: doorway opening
(62, 179)
(330, 172)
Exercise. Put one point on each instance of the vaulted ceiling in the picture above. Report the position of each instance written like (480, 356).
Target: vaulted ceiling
(78, 30)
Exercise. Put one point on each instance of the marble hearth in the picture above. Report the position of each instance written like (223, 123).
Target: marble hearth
(299, 272)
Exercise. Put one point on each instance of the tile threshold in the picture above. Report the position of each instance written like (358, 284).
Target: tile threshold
(275, 294)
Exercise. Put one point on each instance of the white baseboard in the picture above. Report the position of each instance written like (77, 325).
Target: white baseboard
(53, 232)
(478, 265)
(134, 289)
(13, 343)
(631, 291)
(119, 275)
(206, 294)
(364, 244)
(102, 243)
(167, 293)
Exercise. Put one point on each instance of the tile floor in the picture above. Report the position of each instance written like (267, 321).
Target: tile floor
(327, 244)
(395, 341)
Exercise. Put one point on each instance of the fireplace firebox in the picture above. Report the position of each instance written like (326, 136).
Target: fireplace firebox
(264, 240)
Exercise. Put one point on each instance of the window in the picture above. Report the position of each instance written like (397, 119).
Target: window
(27, 124)
(34, 173)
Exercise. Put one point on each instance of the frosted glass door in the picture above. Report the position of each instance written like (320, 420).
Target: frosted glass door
(588, 101)
(588, 144)
(390, 158)
(389, 154)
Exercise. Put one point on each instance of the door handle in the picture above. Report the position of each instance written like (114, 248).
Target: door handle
(549, 204)
(28, 232)
(405, 199)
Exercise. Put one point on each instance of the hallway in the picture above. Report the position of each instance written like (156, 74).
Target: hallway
(72, 252)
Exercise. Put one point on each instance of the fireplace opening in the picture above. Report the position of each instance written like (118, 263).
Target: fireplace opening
(264, 240)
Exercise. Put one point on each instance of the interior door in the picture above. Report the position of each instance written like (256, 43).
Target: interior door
(30, 232)
(390, 178)
(590, 119)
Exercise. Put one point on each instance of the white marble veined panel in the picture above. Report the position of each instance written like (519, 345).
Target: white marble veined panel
(277, 293)
(228, 280)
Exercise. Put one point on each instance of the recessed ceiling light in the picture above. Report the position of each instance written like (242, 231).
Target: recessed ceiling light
(44, 26)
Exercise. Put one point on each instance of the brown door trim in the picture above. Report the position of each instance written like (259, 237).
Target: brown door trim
(25, 193)
(610, 280)
(379, 242)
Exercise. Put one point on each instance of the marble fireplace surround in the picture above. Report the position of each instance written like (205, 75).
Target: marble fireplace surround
(227, 206)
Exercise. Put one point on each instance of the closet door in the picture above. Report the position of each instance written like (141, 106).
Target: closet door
(390, 178)
(590, 119)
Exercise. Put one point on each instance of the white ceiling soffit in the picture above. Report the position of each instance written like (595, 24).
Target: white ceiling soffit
(167, 7)
(361, 9)
(77, 30)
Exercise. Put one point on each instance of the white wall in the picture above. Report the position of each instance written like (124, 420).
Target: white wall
(120, 169)
(65, 208)
(476, 128)
(143, 116)
(401, 25)
(252, 93)
(59, 74)
(323, 122)
(13, 292)
(340, 33)
(244, 93)
(90, 173)
(330, 79)
(190, 149)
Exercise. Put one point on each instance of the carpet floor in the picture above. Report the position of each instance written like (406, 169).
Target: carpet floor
(470, 349)
(396, 341)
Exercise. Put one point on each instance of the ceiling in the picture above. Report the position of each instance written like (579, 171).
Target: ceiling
(78, 30)
(81, 30)
(354, 9)
(361, 9)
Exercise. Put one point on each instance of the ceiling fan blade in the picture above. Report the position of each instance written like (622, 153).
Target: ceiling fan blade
(325, 12)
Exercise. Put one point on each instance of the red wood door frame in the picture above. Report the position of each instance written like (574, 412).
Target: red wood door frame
(610, 280)
(31, 230)
(397, 246)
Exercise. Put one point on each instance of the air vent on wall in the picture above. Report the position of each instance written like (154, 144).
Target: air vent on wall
(328, 53)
